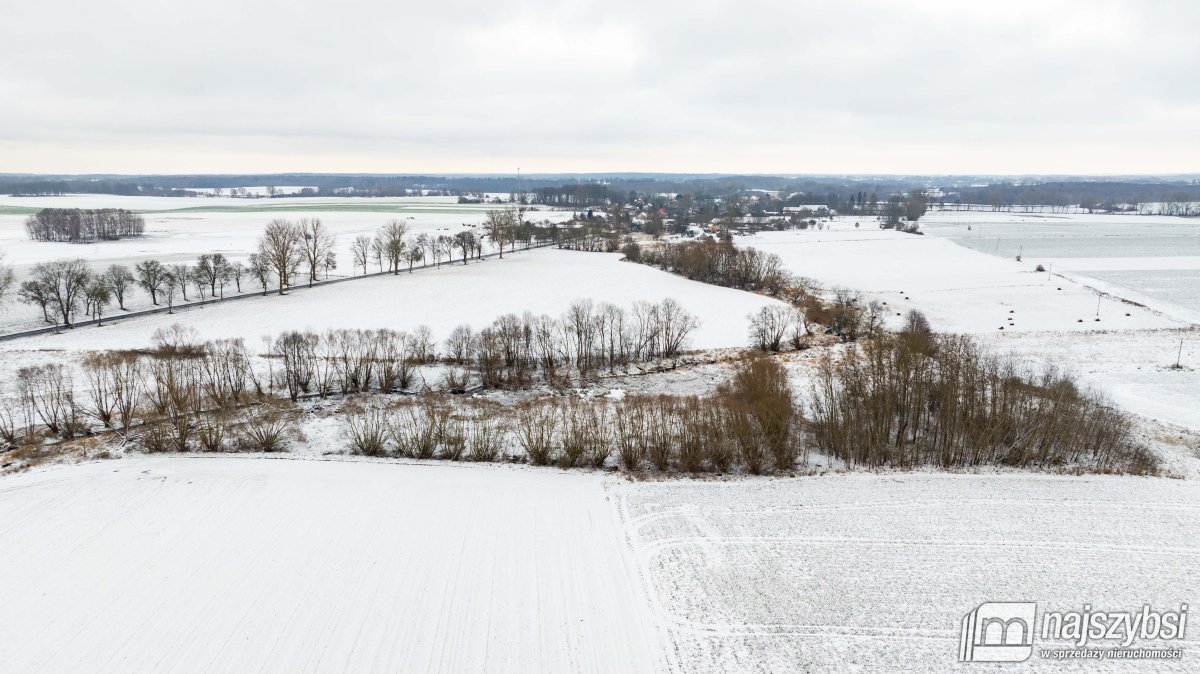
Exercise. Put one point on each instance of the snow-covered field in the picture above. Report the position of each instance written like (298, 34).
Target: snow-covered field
(1061, 236)
(544, 280)
(1156, 256)
(180, 229)
(875, 572)
(1042, 318)
(239, 564)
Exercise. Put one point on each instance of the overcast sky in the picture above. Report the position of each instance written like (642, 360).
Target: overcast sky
(862, 86)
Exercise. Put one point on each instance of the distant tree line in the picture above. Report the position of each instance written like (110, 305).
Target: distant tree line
(1176, 198)
(77, 225)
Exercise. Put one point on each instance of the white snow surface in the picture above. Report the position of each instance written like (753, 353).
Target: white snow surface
(540, 280)
(249, 564)
(1041, 318)
(237, 565)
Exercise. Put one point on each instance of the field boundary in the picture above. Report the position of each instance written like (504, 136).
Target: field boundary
(162, 309)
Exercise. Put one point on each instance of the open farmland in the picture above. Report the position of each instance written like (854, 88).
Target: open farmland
(178, 229)
(153, 564)
(540, 281)
(1112, 336)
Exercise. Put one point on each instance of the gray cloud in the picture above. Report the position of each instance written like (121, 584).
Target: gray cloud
(713, 85)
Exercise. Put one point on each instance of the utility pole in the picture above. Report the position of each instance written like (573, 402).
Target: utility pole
(1179, 355)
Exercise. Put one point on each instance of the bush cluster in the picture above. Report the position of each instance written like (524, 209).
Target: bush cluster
(915, 398)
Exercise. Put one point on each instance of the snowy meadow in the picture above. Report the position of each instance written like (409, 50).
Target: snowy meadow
(332, 526)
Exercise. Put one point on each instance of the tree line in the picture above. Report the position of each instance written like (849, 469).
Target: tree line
(287, 253)
(77, 225)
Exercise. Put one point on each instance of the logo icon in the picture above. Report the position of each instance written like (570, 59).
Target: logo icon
(998, 632)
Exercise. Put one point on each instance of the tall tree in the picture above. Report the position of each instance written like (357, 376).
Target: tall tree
(500, 227)
(151, 274)
(465, 242)
(98, 293)
(360, 249)
(119, 280)
(281, 247)
(64, 282)
(317, 245)
(393, 243)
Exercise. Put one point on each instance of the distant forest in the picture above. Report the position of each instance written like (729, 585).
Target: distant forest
(600, 190)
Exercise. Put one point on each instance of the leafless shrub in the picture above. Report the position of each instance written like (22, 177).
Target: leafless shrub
(227, 373)
(760, 386)
(692, 435)
(417, 430)
(297, 351)
(575, 432)
(455, 380)
(368, 431)
(156, 436)
(486, 431)
(892, 403)
(10, 425)
(174, 392)
(632, 431)
(392, 360)
(743, 429)
(212, 431)
(177, 339)
(536, 422)
(47, 392)
(662, 433)
(720, 452)
(599, 440)
(453, 437)
(265, 429)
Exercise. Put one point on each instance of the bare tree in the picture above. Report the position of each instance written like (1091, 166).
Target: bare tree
(151, 274)
(499, 226)
(415, 254)
(393, 243)
(769, 326)
(236, 271)
(317, 244)
(64, 282)
(281, 247)
(260, 269)
(183, 276)
(171, 285)
(360, 249)
(119, 280)
(465, 242)
(212, 269)
(32, 292)
(98, 294)
(7, 279)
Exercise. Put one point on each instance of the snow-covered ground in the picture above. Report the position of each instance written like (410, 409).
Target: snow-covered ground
(875, 572)
(544, 280)
(180, 229)
(240, 564)
(1042, 318)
